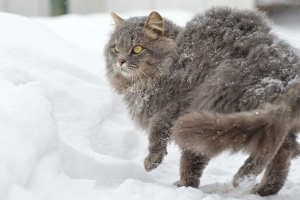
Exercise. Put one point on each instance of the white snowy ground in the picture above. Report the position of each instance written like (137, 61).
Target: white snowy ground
(65, 135)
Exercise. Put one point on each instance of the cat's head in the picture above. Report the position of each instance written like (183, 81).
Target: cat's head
(141, 49)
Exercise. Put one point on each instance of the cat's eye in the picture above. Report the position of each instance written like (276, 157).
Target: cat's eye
(117, 50)
(137, 49)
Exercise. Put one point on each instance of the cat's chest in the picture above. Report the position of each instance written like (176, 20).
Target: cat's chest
(142, 105)
(138, 102)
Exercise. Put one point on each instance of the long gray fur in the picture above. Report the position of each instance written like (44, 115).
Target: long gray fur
(223, 65)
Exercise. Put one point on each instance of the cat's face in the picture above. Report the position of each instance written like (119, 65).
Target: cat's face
(140, 49)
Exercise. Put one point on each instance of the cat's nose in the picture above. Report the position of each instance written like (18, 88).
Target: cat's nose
(121, 61)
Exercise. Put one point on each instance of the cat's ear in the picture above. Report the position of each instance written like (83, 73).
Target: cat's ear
(154, 24)
(118, 20)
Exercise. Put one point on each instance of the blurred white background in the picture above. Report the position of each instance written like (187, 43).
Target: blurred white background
(45, 7)
(281, 11)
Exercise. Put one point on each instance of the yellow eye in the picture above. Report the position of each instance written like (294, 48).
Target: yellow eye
(137, 49)
(117, 50)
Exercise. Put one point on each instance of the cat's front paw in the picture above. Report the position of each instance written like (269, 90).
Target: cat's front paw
(153, 160)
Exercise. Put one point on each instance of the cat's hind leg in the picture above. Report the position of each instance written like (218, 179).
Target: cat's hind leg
(191, 168)
(275, 156)
(252, 167)
(277, 170)
(262, 154)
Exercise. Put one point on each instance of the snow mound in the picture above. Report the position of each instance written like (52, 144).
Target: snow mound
(54, 110)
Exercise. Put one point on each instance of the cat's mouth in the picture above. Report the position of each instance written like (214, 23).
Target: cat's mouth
(127, 71)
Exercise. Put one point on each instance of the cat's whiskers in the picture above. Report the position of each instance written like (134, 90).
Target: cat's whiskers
(110, 69)
(132, 79)
(139, 76)
(136, 86)
(113, 71)
(132, 66)
(137, 70)
(145, 75)
(135, 81)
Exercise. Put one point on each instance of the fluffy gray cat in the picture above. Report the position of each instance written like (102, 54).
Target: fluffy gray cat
(222, 82)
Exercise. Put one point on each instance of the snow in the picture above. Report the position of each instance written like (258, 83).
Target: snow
(64, 134)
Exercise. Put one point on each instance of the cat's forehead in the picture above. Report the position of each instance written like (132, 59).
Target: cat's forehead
(130, 30)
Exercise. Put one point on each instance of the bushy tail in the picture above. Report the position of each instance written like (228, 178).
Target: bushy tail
(212, 133)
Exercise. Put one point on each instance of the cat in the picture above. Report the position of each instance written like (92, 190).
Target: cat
(222, 82)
